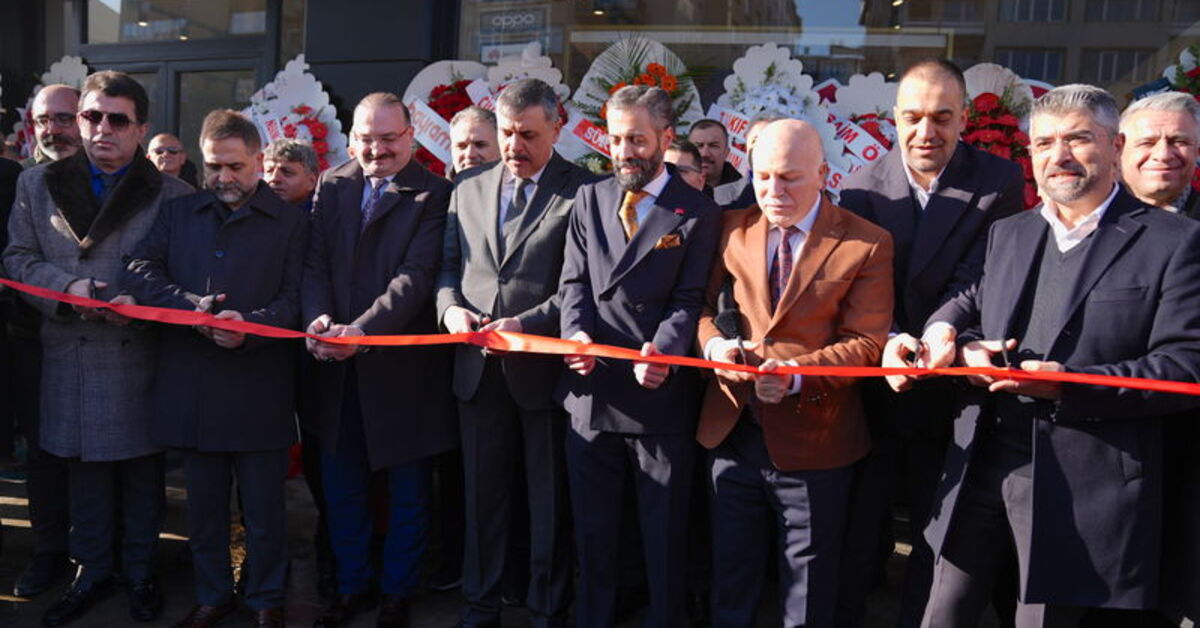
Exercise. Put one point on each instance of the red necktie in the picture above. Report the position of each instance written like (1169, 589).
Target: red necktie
(781, 265)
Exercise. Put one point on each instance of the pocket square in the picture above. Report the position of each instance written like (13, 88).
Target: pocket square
(669, 241)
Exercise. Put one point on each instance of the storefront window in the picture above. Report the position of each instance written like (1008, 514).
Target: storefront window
(840, 39)
(125, 21)
(202, 92)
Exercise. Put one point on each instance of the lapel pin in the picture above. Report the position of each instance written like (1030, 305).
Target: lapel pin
(679, 211)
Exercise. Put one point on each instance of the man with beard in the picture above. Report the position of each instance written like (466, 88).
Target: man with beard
(1162, 142)
(1068, 478)
(373, 257)
(504, 250)
(167, 154)
(937, 196)
(636, 263)
(473, 140)
(225, 399)
(711, 137)
(54, 125)
(73, 223)
(57, 134)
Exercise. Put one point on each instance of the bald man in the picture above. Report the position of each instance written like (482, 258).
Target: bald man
(54, 124)
(811, 284)
(1162, 143)
(167, 153)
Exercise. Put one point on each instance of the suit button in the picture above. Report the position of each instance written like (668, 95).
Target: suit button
(219, 253)
(639, 307)
(502, 279)
(768, 341)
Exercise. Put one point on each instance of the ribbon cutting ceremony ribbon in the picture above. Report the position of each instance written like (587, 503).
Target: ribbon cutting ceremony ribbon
(528, 343)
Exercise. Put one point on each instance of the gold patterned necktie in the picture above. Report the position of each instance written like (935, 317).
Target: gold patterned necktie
(629, 219)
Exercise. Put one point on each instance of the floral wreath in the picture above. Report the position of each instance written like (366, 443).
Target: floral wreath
(309, 127)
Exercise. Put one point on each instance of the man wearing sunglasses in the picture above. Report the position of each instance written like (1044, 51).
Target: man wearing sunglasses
(167, 154)
(373, 256)
(73, 222)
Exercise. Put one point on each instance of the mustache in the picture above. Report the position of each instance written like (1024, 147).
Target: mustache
(1068, 169)
(517, 157)
(638, 162)
(54, 139)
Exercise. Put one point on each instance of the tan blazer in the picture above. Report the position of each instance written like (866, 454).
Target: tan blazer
(835, 311)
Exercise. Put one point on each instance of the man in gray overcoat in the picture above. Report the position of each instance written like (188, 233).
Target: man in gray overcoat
(73, 222)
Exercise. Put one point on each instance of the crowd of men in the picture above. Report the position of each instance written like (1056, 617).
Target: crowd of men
(586, 480)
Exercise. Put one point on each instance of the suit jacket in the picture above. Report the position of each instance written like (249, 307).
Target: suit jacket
(205, 397)
(96, 378)
(835, 311)
(1098, 460)
(523, 283)
(649, 289)
(939, 253)
(383, 281)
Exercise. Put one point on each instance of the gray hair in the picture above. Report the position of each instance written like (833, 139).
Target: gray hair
(1079, 97)
(297, 151)
(474, 113)
(525, 93)
(655, 100)
(1166, 101)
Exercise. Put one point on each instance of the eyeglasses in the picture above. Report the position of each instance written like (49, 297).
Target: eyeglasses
(688, 169)
(118, 121)
(169, 150)
(58, 119)
(381, 139)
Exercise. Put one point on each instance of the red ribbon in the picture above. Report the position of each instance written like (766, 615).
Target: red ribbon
(528, 343)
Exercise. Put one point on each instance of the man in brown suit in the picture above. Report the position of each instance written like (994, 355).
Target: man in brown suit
(813, 284)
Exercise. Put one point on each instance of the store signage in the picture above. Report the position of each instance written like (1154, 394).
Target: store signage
(431, 130)
(524, 20)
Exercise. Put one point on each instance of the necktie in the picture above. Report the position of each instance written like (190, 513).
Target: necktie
(628, 212)
(368, 208)
(781, 266)
(512, 215)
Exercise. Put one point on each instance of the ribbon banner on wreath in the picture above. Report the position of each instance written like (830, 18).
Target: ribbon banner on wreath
(295, 105)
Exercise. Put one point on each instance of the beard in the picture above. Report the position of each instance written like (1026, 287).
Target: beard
(231, 194)
(644, 171)
(1069, 190)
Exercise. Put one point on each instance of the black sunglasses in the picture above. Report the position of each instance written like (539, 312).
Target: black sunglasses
(118, 121)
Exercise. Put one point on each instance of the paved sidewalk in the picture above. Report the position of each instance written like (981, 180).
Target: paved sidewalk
(432, 610)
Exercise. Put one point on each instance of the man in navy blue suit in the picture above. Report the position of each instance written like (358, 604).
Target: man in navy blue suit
(1067, 477)
(638, 251)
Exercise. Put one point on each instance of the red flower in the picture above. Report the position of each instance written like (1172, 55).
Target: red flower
(657, 69)
(1194, 72)
(986, 102)
(322, 163)
(302, 110)
(426, 158)
(1026, 167)
(289, 130)
(321, 146)
(614, 88)
(318, 129)
(1008, 120)
(1021, 138)
(670, 83)
(645, 79)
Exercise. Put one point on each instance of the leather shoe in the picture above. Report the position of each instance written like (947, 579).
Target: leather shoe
(145, 600)
(76, 601)
(343, 609)
(269, 618)
(393, 612)
(202, 616)
(43, 572)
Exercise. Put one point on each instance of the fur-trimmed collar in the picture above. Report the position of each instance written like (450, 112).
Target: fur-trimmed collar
(69, 183)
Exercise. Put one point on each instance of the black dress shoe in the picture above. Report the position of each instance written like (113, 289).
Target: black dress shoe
(76, 601)
(269, 618)
(393, 612)
(343, 609)
(43, 572)
(145, 600)
(202, 616)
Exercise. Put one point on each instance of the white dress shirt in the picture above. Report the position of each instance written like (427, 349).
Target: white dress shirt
(1068, 238)
(368, 183)
(921, 193)
(653, 190)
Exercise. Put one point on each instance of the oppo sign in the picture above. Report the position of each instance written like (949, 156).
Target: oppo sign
(519, 21)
